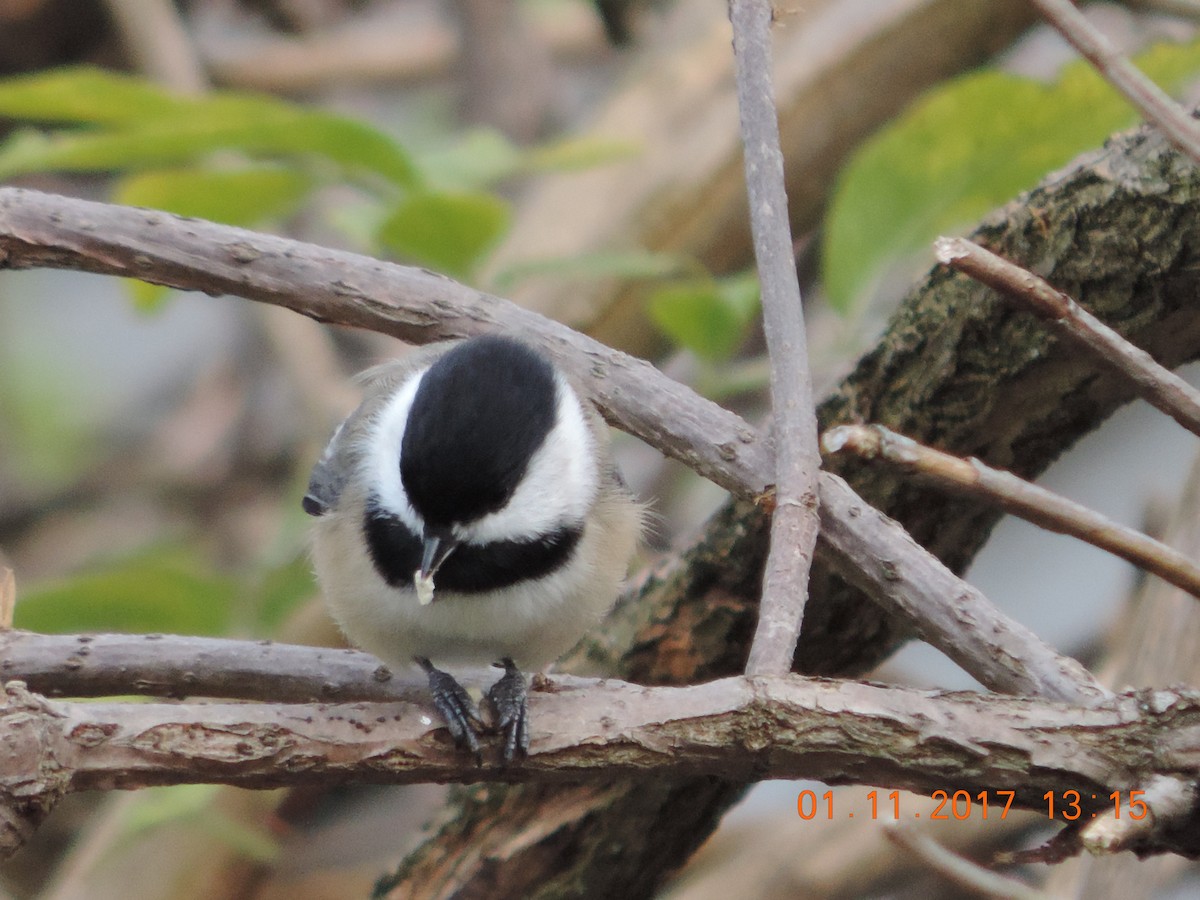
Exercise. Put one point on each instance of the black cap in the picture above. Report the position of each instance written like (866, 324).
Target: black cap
(479, 415)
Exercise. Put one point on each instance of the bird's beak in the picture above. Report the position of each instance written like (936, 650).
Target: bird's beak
(436, 549)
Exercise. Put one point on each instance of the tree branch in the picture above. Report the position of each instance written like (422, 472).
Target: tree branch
(156, 665)
(1035, 504)
(1151, 100)
(737, 728)
(946, 611)
(998, 652)
(1157, 384)
(794, 521)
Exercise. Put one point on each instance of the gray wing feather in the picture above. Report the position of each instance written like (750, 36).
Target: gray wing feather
(327, 478)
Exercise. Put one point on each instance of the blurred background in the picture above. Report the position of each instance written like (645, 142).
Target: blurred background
(583, 160)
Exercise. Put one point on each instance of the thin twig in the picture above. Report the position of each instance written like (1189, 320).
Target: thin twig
(1168, 801)
(178, 666)
(871, 552)
(794, 525)
(959, 870)
(8, 597)
(1158, 385)
(1015, 495)
(333, 286)
(1151, 100)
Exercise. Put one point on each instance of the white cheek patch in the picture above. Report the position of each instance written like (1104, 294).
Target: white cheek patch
(381, 457)
(559, 486)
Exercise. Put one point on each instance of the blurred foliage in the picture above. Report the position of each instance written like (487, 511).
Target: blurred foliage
(251, 160)
(480, 157)
(194, 805)
(626, 264)
(966, 147)
(38, 444)
(169, 588)
(710, 317)
(160, 589)
(445, 230)
(695, 311)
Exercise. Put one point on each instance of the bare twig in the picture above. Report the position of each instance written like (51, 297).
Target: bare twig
(412, 304)
(871, 552)
(1160, 386)
(797, 458)
(1168, 801)
(1035, 504)
(99, 665)
(8, 598)
(960, 870)
(1151, 100)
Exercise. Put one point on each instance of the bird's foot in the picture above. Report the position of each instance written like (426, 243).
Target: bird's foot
(455, 706)
(508, 700)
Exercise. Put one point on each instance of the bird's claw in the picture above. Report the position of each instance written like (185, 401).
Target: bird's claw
(456, 707)
(508, 699)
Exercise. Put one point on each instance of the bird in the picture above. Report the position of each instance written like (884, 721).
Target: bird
(469, 513)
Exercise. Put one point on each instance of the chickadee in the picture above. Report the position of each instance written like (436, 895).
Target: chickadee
(469, 512)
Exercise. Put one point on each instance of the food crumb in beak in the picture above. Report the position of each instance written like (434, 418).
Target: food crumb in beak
(424, 587)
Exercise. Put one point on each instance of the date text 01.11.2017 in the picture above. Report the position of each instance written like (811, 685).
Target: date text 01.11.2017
(961, 805)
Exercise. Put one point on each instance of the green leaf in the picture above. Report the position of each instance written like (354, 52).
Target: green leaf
(967, 146)
(84, 94)
(445, 231)
(627, 264)
(477, 160)
(483, 157)
(159, 806)
(708, 317)
(235, 197)
(159, 590)
(174, 129)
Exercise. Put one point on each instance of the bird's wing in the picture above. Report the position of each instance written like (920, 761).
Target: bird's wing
(343, 452)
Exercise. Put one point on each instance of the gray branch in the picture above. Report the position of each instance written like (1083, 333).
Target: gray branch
(794, 523)
(737, 728)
